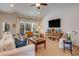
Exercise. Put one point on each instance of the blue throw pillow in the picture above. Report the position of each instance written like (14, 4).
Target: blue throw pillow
(20, 43)
(22, 33)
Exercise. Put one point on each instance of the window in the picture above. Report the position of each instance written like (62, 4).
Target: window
(21, 27)
(27, 27)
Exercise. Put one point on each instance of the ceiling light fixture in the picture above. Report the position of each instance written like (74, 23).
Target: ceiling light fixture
(11, 5)
(37, 4)
(38, 12)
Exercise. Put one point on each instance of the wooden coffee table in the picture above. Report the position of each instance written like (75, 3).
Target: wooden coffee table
(38, 42)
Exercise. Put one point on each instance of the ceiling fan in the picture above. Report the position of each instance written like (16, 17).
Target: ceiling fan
(39, 5)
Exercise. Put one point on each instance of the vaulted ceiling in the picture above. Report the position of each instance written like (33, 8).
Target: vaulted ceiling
(23, 9)
(26, 9)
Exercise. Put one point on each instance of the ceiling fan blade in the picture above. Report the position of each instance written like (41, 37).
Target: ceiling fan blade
(33, 5)
(39, 6)
(45, 4)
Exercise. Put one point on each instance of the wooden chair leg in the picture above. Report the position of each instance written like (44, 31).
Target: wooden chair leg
(36, 47)
(71, 49)
(45, 45)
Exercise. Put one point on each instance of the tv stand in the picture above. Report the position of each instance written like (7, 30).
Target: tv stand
(53, 34)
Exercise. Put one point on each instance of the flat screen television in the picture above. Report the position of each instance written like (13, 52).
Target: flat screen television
(54, 23)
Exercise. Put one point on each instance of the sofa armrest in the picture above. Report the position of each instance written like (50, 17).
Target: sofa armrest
(22, 51)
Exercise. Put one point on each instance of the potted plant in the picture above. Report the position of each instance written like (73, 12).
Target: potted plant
(37, 34)
(69, 37)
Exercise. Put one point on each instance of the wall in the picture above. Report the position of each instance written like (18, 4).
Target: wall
(8, 19)
(11, 19)
(69, 15)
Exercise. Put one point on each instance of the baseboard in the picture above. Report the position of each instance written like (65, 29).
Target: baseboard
(76, 44)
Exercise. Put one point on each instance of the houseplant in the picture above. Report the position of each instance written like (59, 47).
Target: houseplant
(37, 34)
(69, 37)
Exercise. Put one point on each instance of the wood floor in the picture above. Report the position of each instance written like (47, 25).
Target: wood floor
(54, 50)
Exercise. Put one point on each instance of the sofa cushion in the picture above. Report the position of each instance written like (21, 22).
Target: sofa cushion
(22, 51)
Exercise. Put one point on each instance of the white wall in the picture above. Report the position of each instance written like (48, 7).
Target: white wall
(8, 19)
(69, 15)
(11, 19)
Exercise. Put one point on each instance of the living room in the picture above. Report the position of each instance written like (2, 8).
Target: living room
(32, 21)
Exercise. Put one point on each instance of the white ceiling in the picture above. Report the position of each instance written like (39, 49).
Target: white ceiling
(23, 8)
(27, 10)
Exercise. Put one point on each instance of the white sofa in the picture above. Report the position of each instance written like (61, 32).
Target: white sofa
(7, 42)
(22, 51)
(7, 47)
